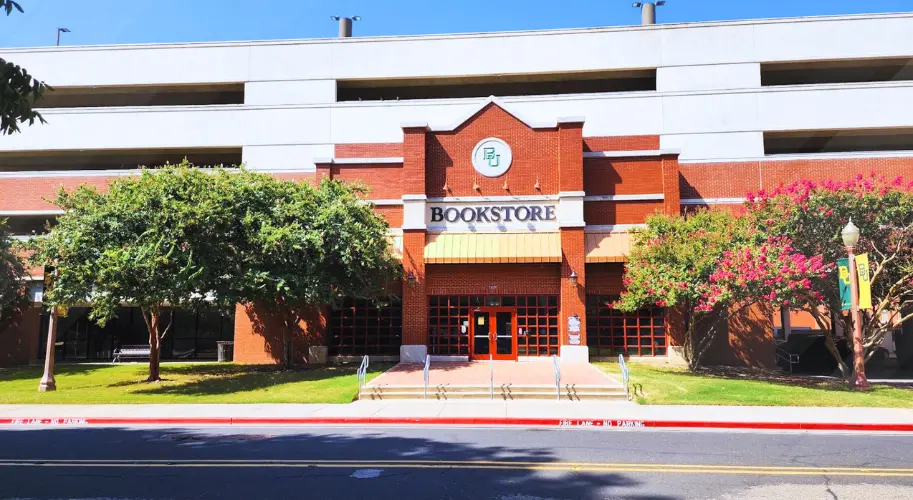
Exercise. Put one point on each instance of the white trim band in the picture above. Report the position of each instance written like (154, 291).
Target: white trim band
(611, 228)
(630, 154)
(359, 161)
(712, 201)
(482, 199)
(626, 197)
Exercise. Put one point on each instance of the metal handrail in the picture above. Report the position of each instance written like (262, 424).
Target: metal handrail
(625, 376)
(426, 373)
(491, 376)
(557, 367)
(362, 374)
(790, 358)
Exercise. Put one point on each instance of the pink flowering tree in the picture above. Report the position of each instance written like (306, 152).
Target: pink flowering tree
(711, 264)
(812, 215)
(670, 265)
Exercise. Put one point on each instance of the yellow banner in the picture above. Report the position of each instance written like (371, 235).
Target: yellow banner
(865, 285)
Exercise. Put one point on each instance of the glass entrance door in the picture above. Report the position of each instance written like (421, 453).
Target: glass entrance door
(494, 333)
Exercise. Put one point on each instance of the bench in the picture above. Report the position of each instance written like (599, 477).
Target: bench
(132, 352)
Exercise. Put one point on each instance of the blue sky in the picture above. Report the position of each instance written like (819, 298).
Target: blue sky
(144, 21)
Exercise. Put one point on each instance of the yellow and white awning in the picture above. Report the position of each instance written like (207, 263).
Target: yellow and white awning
(494, 248)
(607, 247)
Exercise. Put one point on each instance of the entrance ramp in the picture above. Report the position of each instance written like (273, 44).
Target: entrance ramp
(499, 380)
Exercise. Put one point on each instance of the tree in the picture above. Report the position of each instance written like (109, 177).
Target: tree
(670, 265)
(18, 89)
(712, 264)
(13, 292)
(812, 215)
(301, 247)
(151, 241)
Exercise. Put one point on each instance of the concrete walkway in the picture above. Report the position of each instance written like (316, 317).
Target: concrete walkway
(530, 413)
(502, 372)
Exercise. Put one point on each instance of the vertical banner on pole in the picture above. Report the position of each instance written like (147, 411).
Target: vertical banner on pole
(865, 283)
(843, 265)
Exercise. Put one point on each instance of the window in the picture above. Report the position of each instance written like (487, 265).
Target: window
(367, 327)
(537, 325)
(106, 96)
(837, 71)
(448, 320)
(122, 159)
(584, 82)
(192, 335)
(610, 332)
(838, 141)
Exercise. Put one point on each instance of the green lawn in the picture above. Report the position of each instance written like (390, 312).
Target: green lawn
(670, 386)
(184, 383)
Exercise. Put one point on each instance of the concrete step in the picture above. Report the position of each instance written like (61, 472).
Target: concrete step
(505, 392)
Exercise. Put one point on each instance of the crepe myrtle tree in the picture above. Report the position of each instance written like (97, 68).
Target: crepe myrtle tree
(812, 214)
(153, 241)
(711, 264)
(300, 247)
(18, 89)
(13, 291)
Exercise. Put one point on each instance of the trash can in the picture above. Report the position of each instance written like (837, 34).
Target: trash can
(226, 351)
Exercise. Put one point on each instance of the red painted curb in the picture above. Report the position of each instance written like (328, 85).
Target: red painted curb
(463, 421)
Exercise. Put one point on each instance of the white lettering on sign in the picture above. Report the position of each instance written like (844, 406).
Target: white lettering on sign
(49, 421)
(498, 217)
(602, 423)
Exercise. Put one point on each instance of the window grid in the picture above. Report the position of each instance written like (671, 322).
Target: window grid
(366, 327)
(449, 322)
(611, 332)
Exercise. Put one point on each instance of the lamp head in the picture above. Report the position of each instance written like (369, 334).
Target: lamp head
(850, 234)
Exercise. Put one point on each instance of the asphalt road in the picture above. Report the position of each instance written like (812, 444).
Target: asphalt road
(449, 463)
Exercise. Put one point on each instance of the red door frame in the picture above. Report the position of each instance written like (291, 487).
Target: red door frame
(493, 332)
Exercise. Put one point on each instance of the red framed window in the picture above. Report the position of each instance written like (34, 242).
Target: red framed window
(366, 327)
(610, 332)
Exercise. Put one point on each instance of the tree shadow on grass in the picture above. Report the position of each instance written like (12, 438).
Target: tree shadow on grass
(370, 449)
(229, 379)
(60, 370)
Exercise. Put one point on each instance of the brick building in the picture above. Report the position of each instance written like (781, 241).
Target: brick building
(511, 213)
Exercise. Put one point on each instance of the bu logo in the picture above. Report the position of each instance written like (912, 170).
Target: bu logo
(492, 157)
(494, 160)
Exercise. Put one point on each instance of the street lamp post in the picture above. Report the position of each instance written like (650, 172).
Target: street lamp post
(850, 235)
(48, 383)
(59, 31)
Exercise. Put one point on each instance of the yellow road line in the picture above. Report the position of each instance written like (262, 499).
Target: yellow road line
(478, 465)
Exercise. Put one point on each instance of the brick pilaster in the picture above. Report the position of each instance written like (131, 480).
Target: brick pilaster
(570, 155)
(415, 300)
(414, 138)
(671, 192)
(573, 296)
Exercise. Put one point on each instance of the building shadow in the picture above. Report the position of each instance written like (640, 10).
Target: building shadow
(229, 379)
(371, 449)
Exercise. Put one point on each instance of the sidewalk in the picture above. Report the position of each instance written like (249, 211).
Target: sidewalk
(466, 413)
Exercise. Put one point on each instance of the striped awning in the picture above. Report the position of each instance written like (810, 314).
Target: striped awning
(607, 247)
(462, 248)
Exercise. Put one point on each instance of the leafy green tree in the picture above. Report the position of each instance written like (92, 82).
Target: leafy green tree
(18, 89)
(812, 216)
(301, 247)
(151, 241)
(13, 292)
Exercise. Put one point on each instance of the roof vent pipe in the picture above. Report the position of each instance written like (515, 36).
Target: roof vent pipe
(648, 11)
(345, 25)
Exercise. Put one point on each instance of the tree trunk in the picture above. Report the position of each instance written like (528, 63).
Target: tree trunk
(828, 330)
(152, 323)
